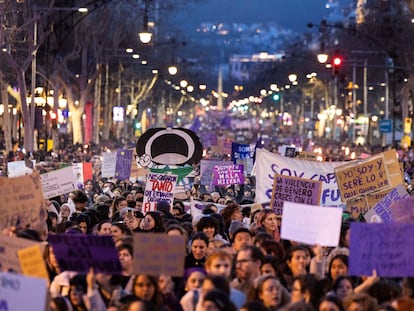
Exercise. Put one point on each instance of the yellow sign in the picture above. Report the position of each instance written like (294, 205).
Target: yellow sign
(32, 263)
(407, 125)
(406, 142)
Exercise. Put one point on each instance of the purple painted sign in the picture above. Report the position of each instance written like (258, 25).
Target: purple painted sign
(123, 164)
(385, 247)
(79, 252)
(296, 190)
(225, 175)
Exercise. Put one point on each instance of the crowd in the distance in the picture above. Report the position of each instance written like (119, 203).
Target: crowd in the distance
(235, 258)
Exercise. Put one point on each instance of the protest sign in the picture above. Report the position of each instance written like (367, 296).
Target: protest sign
(268, 164)
(159, 187)
(123, 164)
(58, 182)
(385, 247)
(207, 171)
(243, 154)
(108, 164)
(18, 168)
(294, 189)
(21, 200)
(311, 224)
(363, 204)
(402, 211)
(32, 262)
(362, 177)
(19, 292)
(9, 246)
(381, 212)
(159, 254)
(225, 175)
(79, 252)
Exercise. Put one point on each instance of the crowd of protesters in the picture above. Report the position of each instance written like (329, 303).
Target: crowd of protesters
(235, 257)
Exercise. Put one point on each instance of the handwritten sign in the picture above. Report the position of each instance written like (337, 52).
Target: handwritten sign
(228, 175)
(32, 263)
(58, 182)
(311, 224)
(362, 178)
(294, 189)
(21, 200)
(79, 252)
(159, 254)
(207, 170)
(19, 292)
(9, 247)
(386, 247)
(159, 187)
(381, 212)
(363, 204)
(108, 164)
(123, 164)
(243, 154)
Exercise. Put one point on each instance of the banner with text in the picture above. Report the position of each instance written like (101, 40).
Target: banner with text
(385, 247)
(268, 164)
(58, 182)
(225, 175)
(363, 177)
(159, 187)
(294, 189)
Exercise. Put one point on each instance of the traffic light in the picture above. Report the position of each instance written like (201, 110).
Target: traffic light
(53, 119)
(276, 97)
(336, 63)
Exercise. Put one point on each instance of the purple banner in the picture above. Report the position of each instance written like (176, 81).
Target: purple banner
(79, 252)
(123, 164)
(207, 171)
(296, 190)
(225, 175)
(385, 247)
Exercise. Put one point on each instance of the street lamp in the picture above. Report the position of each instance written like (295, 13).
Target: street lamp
(145, 36)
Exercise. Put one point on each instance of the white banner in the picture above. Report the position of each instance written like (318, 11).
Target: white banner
(108, 164)
(13, 287)
(58, 182)
(311, 224)
(18, 168)
(268, 164)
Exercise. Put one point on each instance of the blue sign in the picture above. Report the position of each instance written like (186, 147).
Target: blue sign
(385, 126)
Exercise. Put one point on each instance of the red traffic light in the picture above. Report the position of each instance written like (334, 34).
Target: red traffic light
(53, 116)
(337, 61)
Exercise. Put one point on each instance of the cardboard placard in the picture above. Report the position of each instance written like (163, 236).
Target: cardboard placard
(362, 177)
(108, 164)
(21, 200)
(159, 187)
(79, 252)
(159, 254)
(294, 189)
(9, 246)
(385, 247)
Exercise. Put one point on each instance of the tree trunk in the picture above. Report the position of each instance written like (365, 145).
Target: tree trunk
(6, 118)
(77, 125)
(27, 120)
